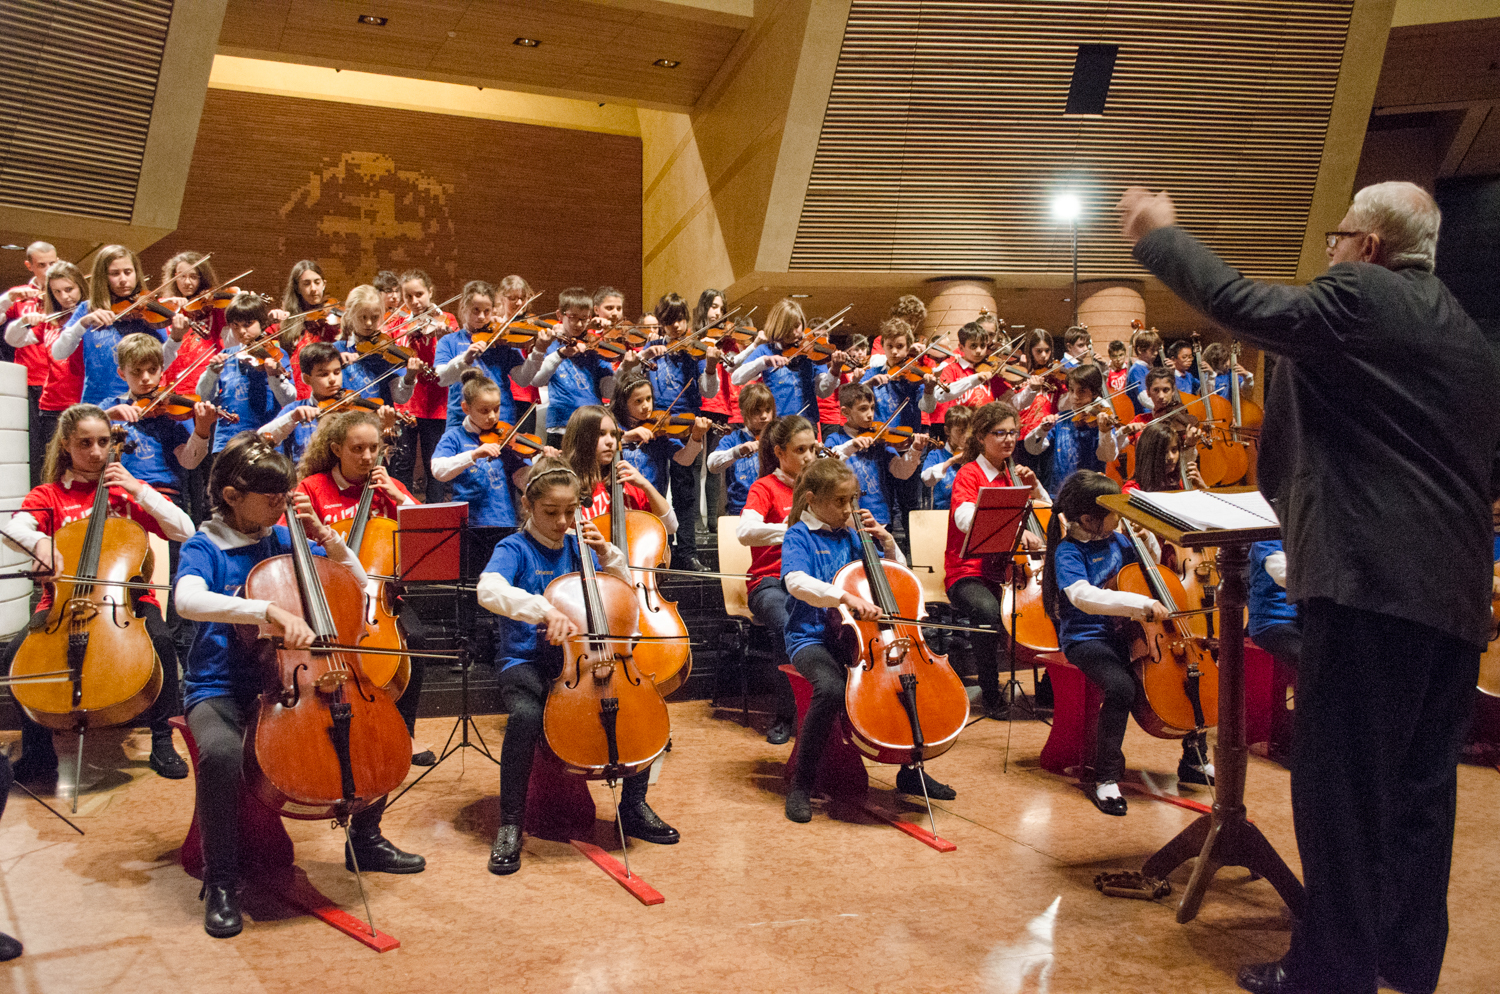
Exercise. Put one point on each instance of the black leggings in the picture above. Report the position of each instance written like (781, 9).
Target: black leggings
(36, 741)
(524, 691)
(426, 433)
(828, 675)
(417, 639)
(218, 727)
(1283, 642)
(1106, 664)
(768, 604)
(685, 503)
(975, 600)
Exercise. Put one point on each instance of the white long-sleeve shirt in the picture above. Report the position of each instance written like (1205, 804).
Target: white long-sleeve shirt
(808, 588)
(197, 603)
(963, 514)
(825, 384)
(500, 596)
(753, 528)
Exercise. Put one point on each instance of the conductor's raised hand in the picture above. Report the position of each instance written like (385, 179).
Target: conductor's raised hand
(1142, 212)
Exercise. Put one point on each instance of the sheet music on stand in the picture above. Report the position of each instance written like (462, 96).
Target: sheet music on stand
(1207, 510)
(998, 514)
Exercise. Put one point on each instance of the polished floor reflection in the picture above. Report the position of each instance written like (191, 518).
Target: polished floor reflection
(753, 902)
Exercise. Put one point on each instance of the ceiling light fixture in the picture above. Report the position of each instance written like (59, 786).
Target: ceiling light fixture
(12, 248)
(666, 63)
(526, 42)
(372, 20)
(801, 296)
(1066, 207)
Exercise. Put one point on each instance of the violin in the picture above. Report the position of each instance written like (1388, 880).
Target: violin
(386, 347)
(326, 741)
(328, 313)
(353, 399)
(372, 537)
(92, 631)
(1179, 678)
(264, 351)
(177, 406)
(668, 659)
(888, 432)
(603, 719)
(905, 704)
(507, 436)
(924, 363)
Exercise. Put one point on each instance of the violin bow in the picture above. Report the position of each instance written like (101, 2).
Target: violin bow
(520, 312)
(694, 336)
(409, 324)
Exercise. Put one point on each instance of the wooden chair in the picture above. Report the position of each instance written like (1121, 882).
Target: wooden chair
(734, 563)
(929, 540)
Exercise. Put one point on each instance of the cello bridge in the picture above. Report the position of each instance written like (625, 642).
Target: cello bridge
(896, 650)
(331, 681)
(82, 609)
(604, 667)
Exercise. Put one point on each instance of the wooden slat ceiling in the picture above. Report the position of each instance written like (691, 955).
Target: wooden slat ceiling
(945, 140)
(79, 83)
(587, 49)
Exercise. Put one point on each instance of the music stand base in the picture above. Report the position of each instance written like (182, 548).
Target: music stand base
(1223, 839)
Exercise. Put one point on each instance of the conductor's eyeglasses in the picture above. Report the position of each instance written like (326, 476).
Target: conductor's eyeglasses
(1332, 237)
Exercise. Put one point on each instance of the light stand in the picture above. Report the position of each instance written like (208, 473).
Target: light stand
(1013, 694)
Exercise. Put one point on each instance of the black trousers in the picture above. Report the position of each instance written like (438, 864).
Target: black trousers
(423, 436)
(36, 741)
(768, 604)
(976, 600)
(218, 727)
(1107, 664)
(713, 483)
(828, 675)
(36, 439)
(417, 639)
(907, 497)
(685, 504)
(1382, 710)
(523, 691)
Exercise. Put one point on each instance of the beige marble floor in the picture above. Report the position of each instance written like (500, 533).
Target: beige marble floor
(753, 902)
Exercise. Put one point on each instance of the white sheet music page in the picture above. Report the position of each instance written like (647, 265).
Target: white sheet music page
(1205, 510)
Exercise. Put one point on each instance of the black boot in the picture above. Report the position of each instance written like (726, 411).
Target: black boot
(780, 732)
(642, 823)
(798, 804)
(164, 759)
(908, 781)
(10, 948)
(505, 854)
(378, 855)
(221, 911)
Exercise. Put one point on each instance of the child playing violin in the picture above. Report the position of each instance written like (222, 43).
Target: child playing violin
(1218, 358)
(911, 397)
(1180, 355)
(1165, 405)
(95, 328)
(1146, 347)
(1117, 373)
(430, 397)
(1160, 461)
(371, 374)
(961, 382)
(737, 458)
(514, 294)
(1078, 438)
(875, 463)
(306, 293)
(187, 275)
(1084, 551)
(786, 447)
(165, 449)
(650, 453)
(529, 654)
(591, 445)
(974, 582)
(477, 470)
(322, 367)
(820, 542)
(76, 465)
(458, 352)
(796, 383)
(63, 383)
(342, 461)
(1078, 347)
(249, 486)
(1043, 394)
(251, 386)
(941, 465)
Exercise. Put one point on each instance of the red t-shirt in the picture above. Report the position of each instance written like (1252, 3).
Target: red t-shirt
(33, 357)
(429, 399)
(333, 504)
(598, 502)
(64, 385)
(978, 396)
(68, 503)
(726, 401)
(966, 485)
(773, 500)
(193, 348)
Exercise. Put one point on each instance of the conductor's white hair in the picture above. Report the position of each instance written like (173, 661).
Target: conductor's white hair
(1405, 217)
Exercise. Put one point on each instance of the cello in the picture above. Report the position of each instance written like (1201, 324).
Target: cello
(325, 741)
(643, 538)
(603, 720)
(1178, 690)
(1021, 598)
(372, 538)
(905, 704)
(112, 670)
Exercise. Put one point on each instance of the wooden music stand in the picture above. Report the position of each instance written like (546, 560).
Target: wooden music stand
(1224, 837)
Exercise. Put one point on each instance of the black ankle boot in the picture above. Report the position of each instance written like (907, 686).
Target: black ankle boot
(908, 781)
(10, 947)
(642, 823)
(505, 854)
(221, 911)
(164, 759)
(378, 855)
(798, 805)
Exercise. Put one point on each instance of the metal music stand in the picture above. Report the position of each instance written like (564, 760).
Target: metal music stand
(436, 556)
(996, 531)
(1224, 837)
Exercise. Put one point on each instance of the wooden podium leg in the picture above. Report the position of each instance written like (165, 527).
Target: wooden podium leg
(1225, 838)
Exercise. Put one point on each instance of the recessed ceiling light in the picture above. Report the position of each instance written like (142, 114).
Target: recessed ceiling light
(526, 42)
(372, 20)
(12, 248)
(667, 63)
(801, 296)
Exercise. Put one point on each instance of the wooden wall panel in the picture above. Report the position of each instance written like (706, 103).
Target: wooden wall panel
(278, 179)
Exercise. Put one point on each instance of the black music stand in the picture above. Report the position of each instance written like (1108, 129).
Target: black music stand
(1224, 837)
(996, 531)
(432, 550)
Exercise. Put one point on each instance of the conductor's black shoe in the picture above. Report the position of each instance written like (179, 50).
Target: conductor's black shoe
(1190, 772)
(1109, 805)
(1270, 978)
(505, 854)
(221, 911)
(780, 732)
(909, 781)
(165, 761)
(378, 855)
(424, 758)
(642, 823)
(10, 948)
(798, 805)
